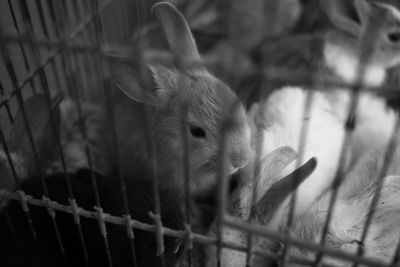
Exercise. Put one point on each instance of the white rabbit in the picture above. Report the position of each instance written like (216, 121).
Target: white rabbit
(348, 217)
(282, 119)
(344, 45)
(351, 211)
(209, 103)
(336, 53)
(282, 114)
(273, 165)
(337, 50)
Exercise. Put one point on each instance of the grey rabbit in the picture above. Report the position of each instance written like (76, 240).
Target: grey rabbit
(209, 103)
(19, 146)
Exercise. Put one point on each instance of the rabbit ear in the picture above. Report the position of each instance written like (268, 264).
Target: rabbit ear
(160, 82)
(38, 116)
(277, 160)
(363, 9)
(179, 36)
(274, 197)
(341, 14)
(166, 81)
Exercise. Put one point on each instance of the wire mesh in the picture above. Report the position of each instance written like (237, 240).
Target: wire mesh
(49, 47)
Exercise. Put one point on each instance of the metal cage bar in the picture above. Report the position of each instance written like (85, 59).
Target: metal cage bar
(68, 54)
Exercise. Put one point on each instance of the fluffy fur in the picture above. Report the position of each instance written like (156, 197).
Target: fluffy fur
(338, 54)
(282, 119)
(167, 94)
(209, 103)
(351, 211)
(374, 121)
(72, 139)
(343, 51)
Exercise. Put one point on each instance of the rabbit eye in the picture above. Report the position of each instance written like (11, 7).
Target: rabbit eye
(197, 132)
(394, 37)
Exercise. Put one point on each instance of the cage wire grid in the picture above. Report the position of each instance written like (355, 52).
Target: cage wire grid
(49, 39)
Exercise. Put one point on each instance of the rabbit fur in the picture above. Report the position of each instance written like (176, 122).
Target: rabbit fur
(349, 215)
(281, 120)
(169, 91)
(282, 114)
(375, 122)
(336, 53)
(22, 155)
(351, 211)
(338, 50)
(22, 162)
(265, 207)
(72, 140)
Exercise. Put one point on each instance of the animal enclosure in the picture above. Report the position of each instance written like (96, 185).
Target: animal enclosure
(67, 196)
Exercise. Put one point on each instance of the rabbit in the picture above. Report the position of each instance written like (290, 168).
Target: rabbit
(281, 120)
(327, 115)
(335, 53)
(266, 205)
(72, 140)
(348, 217)
(20, 153)
(19, 146)
(209, 101)
(351, 211)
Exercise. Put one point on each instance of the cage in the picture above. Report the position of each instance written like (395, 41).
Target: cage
(64, 203)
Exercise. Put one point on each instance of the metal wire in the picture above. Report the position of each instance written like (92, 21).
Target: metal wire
(7, 105)
(82, 27)
(24, 56)
(388, 159)
(369, 44)
(279, 237)
(186, 177)
(222, 177)
(86, 21)
(203, 239)
(150, 144)
(30, 137)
